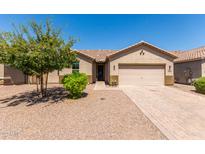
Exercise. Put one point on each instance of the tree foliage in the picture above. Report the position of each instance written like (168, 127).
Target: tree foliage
(36, 49)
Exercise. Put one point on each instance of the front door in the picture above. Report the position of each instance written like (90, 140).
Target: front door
(100, 72)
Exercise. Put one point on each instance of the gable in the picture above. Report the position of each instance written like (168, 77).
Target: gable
(142, 45)
(141, 54)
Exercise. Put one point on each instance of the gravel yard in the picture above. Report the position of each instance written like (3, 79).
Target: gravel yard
(98, 115)
(187, 88)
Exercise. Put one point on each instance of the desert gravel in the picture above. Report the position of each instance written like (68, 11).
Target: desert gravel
(187, 88)
(99, 115)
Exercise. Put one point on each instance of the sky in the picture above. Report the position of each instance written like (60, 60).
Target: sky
(169, 32)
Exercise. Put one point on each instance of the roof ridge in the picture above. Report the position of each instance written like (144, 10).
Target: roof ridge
(97, 49)
(147, 43)
(191, 54)
(194, 48)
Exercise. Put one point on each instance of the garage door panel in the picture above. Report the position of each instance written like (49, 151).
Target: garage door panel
(141, 75)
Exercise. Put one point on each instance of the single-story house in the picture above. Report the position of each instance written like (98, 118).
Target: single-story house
(189, 65)
(139, 64)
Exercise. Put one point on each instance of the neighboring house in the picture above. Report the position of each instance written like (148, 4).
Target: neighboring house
(189, 65)
(139, 64)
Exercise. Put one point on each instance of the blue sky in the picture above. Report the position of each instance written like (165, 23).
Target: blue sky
(170, 32)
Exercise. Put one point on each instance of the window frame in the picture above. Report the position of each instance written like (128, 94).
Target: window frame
(76, 68)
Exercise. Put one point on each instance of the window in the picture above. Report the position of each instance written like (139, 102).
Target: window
(75, 67)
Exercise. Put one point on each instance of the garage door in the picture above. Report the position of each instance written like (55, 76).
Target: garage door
(141, 75)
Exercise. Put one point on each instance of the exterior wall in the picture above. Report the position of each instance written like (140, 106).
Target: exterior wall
(17, 77)
(53, 77)
(203, 68)
(180, 68)
(1, 73)
(65, 71)
(94, 72)
(106, 73)
(85, 66)
(150, 57)
(1, 70)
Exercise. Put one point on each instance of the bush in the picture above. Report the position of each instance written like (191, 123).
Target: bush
(75, 83)
(199, 84)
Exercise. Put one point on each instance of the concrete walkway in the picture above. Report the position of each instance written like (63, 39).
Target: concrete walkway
(178, 114)
(100, 85)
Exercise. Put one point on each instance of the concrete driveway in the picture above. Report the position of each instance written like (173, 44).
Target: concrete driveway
(178, 114)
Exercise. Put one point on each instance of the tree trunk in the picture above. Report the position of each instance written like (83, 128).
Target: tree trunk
(46, 83)
(41, 85)
(37, 80)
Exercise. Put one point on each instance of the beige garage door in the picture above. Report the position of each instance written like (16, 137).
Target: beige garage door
(141, 75)
(53, 77)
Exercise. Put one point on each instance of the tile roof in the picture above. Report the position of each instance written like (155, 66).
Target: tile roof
(101, 55)
(190, 55)
(98, 55)
(182, 56)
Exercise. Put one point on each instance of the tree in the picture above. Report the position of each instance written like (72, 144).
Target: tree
(36, 49)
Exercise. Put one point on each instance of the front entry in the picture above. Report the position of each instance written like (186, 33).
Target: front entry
(100, 72)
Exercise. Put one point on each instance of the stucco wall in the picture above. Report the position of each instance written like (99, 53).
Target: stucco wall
(203, 68)
(53, 77)
(150, 57)
(106, 72)
(65, 71)
(17, 76)
(1, 70)
(180, 68)
(94, 72)
(1, 73)
(85, 66)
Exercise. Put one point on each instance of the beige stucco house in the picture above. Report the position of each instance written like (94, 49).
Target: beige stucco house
(139, 64)
(189, 65)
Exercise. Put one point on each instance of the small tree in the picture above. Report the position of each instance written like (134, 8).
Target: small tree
(36, 49)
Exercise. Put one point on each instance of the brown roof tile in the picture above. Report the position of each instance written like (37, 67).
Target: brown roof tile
(101, 55)
(190, 55)
(98, 55)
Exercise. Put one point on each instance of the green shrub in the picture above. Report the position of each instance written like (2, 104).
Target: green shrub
(199, 84)
(75, 83)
